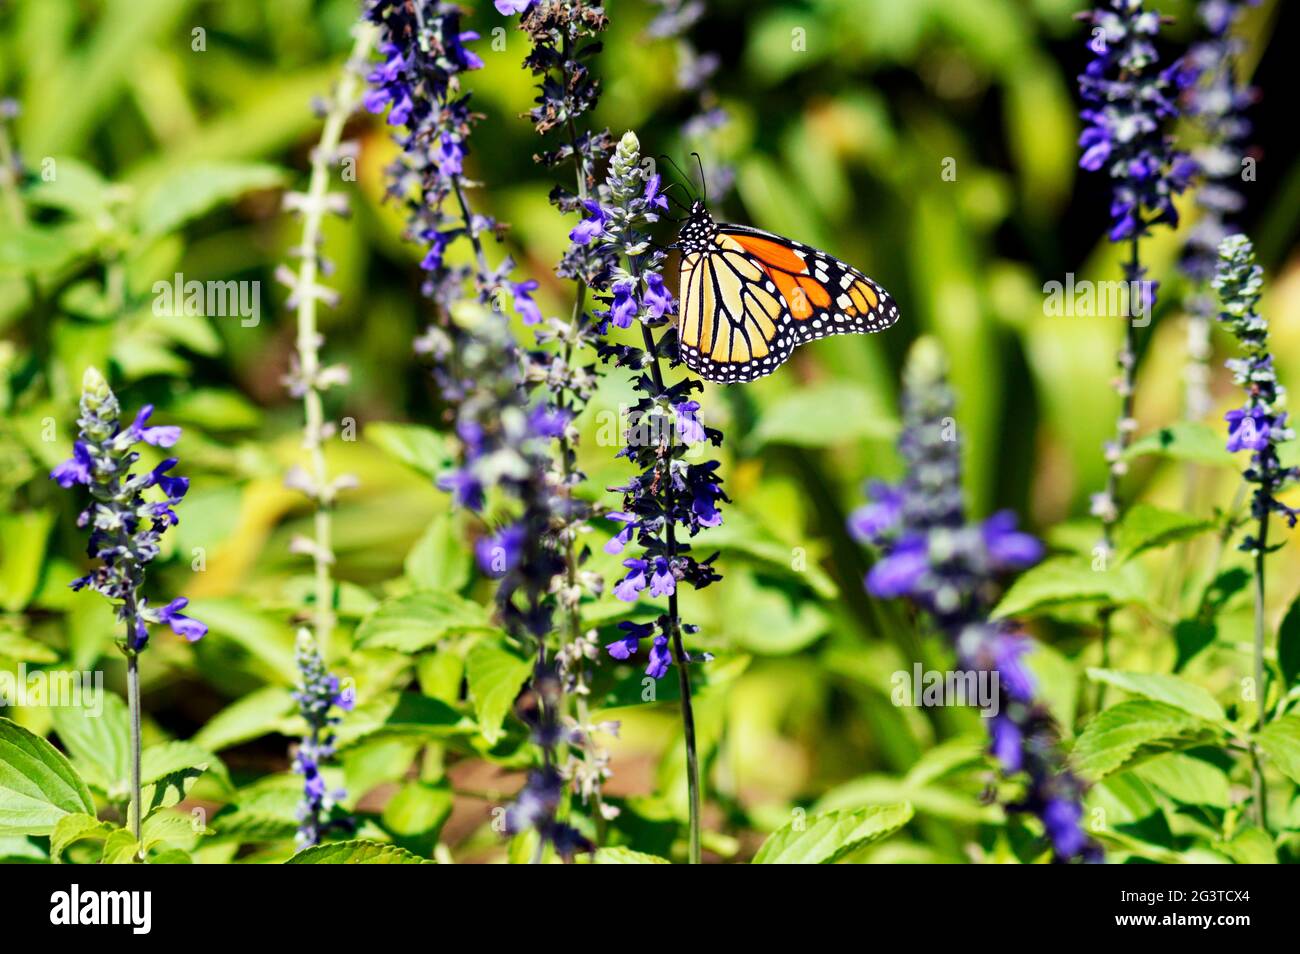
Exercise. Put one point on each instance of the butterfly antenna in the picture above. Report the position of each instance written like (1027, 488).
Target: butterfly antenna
(673, 199)
(704, 186)
(685, 179)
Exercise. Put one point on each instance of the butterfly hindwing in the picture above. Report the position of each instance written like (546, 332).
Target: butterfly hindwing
(749, 297)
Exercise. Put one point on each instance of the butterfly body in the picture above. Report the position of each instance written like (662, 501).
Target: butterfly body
(748, 298)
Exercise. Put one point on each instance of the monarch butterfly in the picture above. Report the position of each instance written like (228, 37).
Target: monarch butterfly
(749, 298)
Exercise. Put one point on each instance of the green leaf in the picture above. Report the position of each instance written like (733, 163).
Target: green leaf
(1133, 730)
(121, 848)
(99, 743)
(1171, 690)
(269, 642)
(1191, 636)
(1066, 580)
(824, 838)
(415, 815)
(766, 620)
(1249, 846)
(74, 828)
(15, 849)
(414, 445)
(76, 188)
(1288, 645)
(170, 828)
(40, 248)
(38, 785)
(263, 812)
(193, 190)
(169, 769)
(22, 555)
(20, 648)
(1186, 440)
(357, 853)
(626, 856)
(403, 715)
(419, 620)
(1280, 741)
(213, 409)
(439, 560)
(1146, 527)
(742, 534)
(801, 419)
(253, 716)
(1185, 779)
(495, 677)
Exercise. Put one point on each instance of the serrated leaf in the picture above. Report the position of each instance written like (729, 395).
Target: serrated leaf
(357, 853)
(626, 856)
(495, 677)
(1068, 580)
(1186, 440)
(824, 838)
(1145, 527)
(38, 785)
(193, 190)
(263, 813)
(1171, 690)
(170, 769)
(417, 621)
(121, 848)
(1280, 741)
(71, 829)
(1131, 730)
(170, 828)
(100, 744)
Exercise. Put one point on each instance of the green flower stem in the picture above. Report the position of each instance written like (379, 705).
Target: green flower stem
(17, 214)
(341, 106)
(1123, 435)
(135, 808)
(1261, 673)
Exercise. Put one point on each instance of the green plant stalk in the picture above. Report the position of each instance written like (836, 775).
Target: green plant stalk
(8, 184)
(1128, 370)
(135, 807)
(1261, 674)
(308, 341)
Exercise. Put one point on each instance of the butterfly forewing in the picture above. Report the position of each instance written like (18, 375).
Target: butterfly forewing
(749, 297)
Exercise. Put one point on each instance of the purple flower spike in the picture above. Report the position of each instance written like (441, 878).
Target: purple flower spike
(125, 527)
